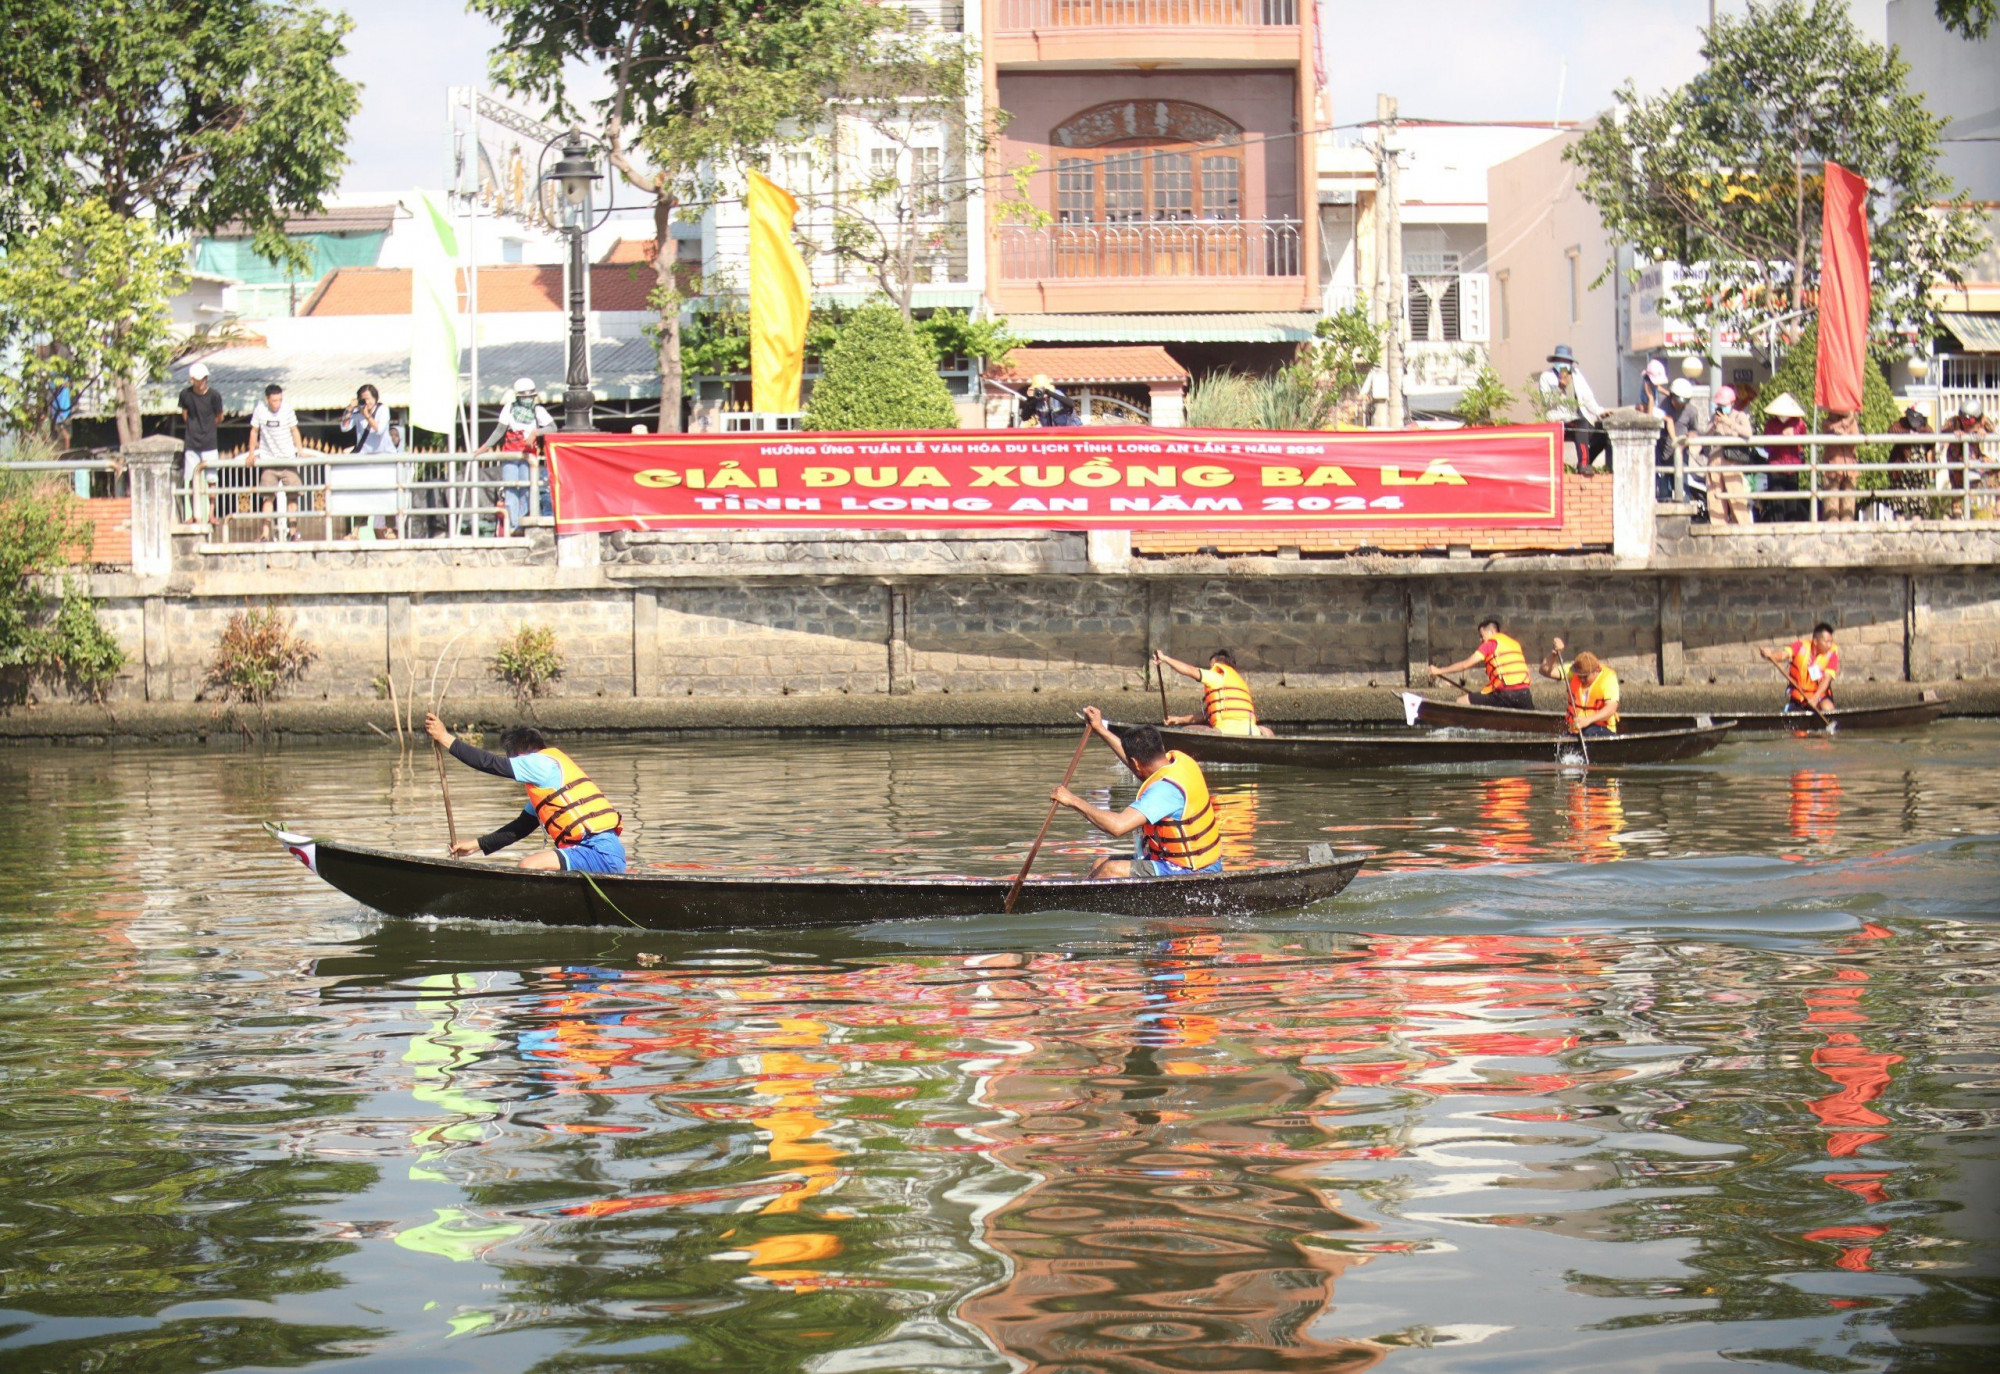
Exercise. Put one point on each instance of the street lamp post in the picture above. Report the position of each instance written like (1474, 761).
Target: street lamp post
(576, 172)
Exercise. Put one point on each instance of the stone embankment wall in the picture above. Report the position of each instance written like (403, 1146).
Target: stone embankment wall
(728, 617)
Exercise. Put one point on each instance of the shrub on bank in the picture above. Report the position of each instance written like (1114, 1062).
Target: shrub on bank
(259, 655)
(528, 661)
(879, 376)
(42, 531)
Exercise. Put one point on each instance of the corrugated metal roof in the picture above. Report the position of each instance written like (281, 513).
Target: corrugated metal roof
(621, 369)
(1978, 331)
(1257, 326)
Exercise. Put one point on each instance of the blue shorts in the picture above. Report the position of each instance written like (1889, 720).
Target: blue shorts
(603, 853)
(1160, 868)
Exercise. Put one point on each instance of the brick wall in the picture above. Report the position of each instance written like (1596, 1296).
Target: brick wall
(1586, 525)
(110, 520)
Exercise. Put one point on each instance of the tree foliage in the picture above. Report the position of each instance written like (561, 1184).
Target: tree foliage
(694, 88)
(1723, 174)
(199, 112)
(84, 298)
(1797, 373)
(716, 339)
(879, 375)
(1486, 401)
(1968, 18)
(42, 530)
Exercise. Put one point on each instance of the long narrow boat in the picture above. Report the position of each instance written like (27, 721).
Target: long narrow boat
(1416, 751)
(1424, 711)
(408, 885)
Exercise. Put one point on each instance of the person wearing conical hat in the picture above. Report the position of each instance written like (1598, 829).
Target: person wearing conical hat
(1784, 417)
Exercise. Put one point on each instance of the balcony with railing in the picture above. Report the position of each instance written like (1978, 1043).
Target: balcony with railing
(1078, 32)
(1159, 265)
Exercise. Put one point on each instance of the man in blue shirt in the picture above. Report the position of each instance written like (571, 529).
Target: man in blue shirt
(1173, 821)
(562, 800)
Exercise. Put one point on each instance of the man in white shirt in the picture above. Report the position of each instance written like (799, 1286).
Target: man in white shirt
(274, 449)
(1567, 398)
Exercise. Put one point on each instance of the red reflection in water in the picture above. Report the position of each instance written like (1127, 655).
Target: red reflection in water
(1815, 806)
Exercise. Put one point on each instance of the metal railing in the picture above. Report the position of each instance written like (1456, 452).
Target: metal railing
(1224, 248)
(1960, 480)
(1079, 14)
(363, 497)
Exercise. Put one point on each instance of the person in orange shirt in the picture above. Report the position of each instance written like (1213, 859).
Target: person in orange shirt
(1591, 688)
(1810, 667)
(1225, 695)
(1506, 667)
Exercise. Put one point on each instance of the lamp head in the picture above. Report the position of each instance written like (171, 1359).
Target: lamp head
(576, 171)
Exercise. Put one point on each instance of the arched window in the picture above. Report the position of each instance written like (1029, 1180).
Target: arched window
(1148, 161)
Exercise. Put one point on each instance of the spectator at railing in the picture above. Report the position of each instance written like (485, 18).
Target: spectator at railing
(1568, 399)
(1911, 460)
(1728, 490)
(201, 416)
(274, 450)
(1783, 418)
(1837, 468)
(519, 435)
(1971, 467)
(370, 422)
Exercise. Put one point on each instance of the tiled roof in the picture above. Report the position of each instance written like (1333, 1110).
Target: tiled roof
(1255, 326)
(1127, 363)
(510, 289)
(631, 250)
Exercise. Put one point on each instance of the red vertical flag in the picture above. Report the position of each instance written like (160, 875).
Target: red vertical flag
(1843, 292)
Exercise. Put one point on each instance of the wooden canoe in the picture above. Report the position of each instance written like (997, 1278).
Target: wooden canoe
(1904, 716)
(409, 885)
(1416, 751)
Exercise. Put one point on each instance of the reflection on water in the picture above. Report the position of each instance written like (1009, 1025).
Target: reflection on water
(1667, 1068)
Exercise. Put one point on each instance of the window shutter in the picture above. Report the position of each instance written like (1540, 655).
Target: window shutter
(1472, 290)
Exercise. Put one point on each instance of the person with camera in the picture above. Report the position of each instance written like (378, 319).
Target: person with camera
(1047, 407)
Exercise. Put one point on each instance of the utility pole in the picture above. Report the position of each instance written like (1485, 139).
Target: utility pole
(1389, 269)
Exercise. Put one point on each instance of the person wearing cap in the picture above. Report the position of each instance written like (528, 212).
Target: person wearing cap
(1970, 467)
(201, 414)
(1783, 418)
(1910, 470)
(1568, 399)
(1728, 489)
(518, 436)
(1048, 407)
(1686, 414)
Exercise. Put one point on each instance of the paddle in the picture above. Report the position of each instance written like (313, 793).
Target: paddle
(1160, 676)
(1014, 892)
(450, 821)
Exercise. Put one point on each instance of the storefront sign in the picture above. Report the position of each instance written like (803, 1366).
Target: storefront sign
(1081, 478)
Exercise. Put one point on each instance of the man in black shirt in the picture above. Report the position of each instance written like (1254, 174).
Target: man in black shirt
(1048, 407)
(201, 412)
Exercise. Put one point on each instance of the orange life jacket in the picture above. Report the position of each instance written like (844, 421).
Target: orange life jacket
(1591, 696)
(574, 811)
(1811, 669)
(1195, 840)
(1508, 668)
(1227, 705)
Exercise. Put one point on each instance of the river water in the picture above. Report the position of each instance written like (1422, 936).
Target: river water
(1655, 1070)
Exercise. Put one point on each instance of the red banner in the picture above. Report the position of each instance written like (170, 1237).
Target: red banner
(1077, 478)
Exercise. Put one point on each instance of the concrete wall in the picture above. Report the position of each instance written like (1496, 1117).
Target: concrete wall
(1535, 218)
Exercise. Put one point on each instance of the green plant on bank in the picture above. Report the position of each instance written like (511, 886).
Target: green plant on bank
(716, 341)
(1346, 347)
(1487, 401)
(528, 661)
(879, 375)
(41, 529)
(1799, 371)
(259, 655)
(1295, 397)
(1222, 400)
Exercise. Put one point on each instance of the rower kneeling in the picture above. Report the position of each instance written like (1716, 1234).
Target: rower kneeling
(1506, 668)
(1226, 707)
(1590, 689)
(1173, 820)
(562, 802)
(1810, 666)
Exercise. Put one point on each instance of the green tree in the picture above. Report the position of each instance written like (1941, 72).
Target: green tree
(84, 298)
(1798, 372)
(41, 531)
(1968, 18)
(879, 375)
(196, 112)
(1723, 174)
(695, 89)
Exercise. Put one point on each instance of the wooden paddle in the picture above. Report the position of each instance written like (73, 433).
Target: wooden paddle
(450, 821)
(1160, 676)
(1014, 892)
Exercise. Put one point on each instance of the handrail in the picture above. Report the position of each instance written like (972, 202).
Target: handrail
(465, 496)
(1973, 491)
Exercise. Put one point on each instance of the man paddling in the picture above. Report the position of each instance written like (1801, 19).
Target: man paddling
(1506, 670)
(562, 800)
(1174, 821)
(1810, 667)
(1225, 695)
(1590, 687)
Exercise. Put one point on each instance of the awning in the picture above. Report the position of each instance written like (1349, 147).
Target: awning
(1976, 331)
(1257, 326)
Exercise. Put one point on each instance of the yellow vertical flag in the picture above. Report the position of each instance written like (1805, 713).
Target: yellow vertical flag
(779, 299)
